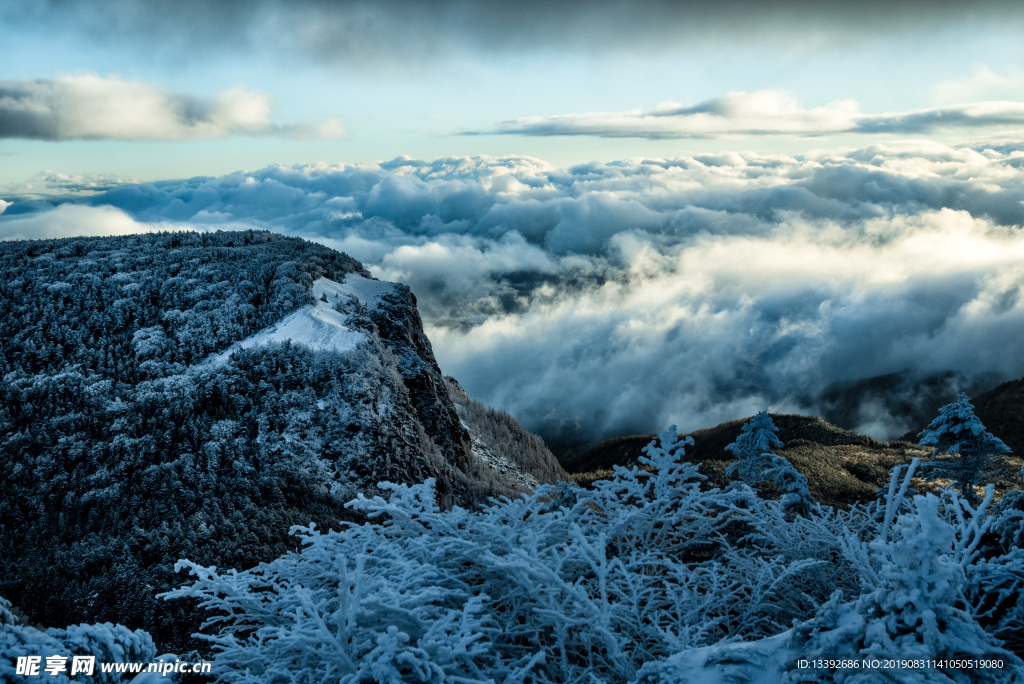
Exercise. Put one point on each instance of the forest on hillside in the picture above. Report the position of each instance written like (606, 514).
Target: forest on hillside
(116, 463)
(124, 450)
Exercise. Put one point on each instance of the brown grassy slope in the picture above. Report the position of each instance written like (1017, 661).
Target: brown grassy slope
(710, 443)
(841, 466)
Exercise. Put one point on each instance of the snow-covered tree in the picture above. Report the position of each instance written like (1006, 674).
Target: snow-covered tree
(665, 452)
(996, 592)
(753, 449)
(958, 432)
(915, 564)
(651, 576)
(568, 586)
(794, 495)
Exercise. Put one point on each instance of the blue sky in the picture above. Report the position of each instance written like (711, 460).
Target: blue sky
(436, 80)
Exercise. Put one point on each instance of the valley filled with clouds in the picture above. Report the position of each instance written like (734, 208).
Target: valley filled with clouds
(616, 298)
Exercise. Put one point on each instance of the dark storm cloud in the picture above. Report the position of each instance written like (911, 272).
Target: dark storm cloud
(617, 298)
(367, 31)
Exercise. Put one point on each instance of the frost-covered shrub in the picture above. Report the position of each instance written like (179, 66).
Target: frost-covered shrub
(918, 567)
(562, 586)
(997, 579)
(1009, 520)
(753, 449)
(650, 576)
(108, 643)
(7, 617)
(915, 575)
(994, 594)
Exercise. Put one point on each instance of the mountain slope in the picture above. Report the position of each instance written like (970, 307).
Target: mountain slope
(1001, 409)
(841, 466)
(710, 443)
(193, 395)
(503, 443)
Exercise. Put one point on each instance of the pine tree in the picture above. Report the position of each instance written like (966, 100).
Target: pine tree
(958, 432)
(753, 449)
(794, 494)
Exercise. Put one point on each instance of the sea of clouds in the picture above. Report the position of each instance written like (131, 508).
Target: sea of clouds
(617, 298)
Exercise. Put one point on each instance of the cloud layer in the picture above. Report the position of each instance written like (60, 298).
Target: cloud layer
(387, 30)
(618, 298)
(765, 112)
(90, 107)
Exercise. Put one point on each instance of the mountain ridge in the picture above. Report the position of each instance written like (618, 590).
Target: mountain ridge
(136, 427)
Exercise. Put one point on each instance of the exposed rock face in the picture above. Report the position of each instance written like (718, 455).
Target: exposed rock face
(399, 326)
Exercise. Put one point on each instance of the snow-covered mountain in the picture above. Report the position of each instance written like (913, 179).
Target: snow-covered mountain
(195, 395)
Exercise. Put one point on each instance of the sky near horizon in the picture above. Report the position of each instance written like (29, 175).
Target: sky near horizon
(149, 91)
(615, 215)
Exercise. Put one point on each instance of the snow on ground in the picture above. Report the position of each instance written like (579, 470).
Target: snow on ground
(748, 662)
(317, 326)
(367, 291)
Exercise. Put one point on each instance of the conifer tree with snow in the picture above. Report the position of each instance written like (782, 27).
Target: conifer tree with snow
(753, 449)
(794, 494)
(958, 432)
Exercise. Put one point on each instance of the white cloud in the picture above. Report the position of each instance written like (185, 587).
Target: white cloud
(49, 183)
(327, 129)
(605, 299)
(765, 113)
(91, 107)
(76, 220)
(70, 220)
(982, 84)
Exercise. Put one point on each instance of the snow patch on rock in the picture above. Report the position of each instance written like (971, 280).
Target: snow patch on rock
(367, 291)
(317, 326)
